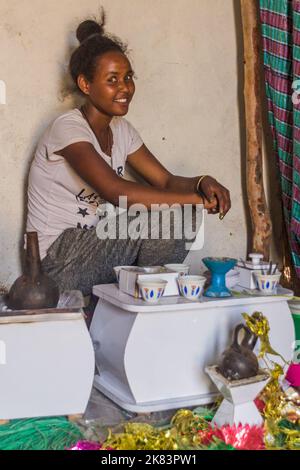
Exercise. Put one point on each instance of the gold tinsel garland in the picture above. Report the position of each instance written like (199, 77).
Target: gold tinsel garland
(182, 433)
(279, 406)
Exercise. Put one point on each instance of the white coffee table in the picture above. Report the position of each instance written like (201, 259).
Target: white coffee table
(152, 357)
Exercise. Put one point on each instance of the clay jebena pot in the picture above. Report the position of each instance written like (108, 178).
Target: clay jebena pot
(239, 361)
(34, 289)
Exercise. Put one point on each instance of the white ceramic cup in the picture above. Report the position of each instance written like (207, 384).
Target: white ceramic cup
(152, 269)
(191, 287)
(267, 283)
(179, 268)
(152, 290)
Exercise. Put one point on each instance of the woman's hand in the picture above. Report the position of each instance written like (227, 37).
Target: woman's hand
(211, 205)
(212, 190)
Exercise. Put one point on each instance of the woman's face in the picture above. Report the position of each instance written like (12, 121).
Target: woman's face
(113, 87)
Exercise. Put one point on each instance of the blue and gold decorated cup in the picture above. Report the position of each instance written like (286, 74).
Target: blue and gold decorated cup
(152, 290)
(191, 287)
(267, 283)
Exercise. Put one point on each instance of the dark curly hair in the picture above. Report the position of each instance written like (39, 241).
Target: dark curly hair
(94, 42)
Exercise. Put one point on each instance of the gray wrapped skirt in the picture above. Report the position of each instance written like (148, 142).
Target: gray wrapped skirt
(79, 259)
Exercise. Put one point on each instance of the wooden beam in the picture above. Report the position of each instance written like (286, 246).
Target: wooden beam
(260, 216)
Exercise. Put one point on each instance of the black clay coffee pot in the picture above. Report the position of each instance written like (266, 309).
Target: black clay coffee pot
(34, 289)
(239, 361)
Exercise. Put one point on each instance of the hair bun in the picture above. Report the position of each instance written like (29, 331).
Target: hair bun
(87, 28)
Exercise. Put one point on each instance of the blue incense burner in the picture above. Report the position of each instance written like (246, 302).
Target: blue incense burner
(218, 268)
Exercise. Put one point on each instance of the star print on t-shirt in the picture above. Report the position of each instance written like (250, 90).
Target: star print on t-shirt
(82, 212)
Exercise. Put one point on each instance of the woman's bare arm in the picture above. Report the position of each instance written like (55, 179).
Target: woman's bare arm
(91, 167)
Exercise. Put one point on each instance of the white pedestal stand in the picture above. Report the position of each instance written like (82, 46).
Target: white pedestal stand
(152, 357)
(238, 406)
(46, 365)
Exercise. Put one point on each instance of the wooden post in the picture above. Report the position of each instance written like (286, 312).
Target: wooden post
(260, 216)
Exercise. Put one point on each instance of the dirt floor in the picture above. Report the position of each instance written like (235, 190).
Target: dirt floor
(102, 414)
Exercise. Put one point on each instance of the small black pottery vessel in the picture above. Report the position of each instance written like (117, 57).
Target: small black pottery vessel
(239, 361)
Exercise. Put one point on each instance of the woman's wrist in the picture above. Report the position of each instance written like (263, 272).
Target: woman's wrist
(198, 185)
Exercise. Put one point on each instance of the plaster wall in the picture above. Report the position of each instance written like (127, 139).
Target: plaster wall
(186, 54)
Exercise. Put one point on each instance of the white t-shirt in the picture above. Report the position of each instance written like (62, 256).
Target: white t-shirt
(57, 197)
